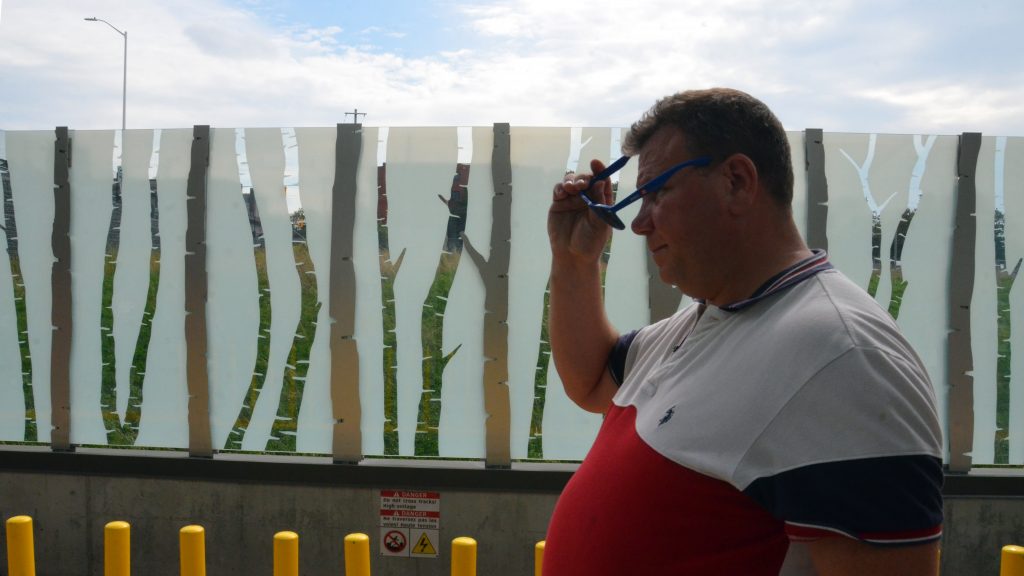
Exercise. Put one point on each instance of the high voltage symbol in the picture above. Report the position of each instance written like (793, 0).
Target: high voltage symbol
(423, 546)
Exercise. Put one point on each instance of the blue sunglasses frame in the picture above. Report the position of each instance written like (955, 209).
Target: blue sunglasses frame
(608, 213)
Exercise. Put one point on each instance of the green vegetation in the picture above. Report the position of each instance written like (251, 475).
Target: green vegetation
(285, 426)
(31, 432)
(286, 423)
(535, 448)
(259, 373)
(388, 273)
(10, 229)
(434, 358)
(1004, 283)
(125, 433)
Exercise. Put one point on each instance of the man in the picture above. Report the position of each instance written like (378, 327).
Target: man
(782, 407)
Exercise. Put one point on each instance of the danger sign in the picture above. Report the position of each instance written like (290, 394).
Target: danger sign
(410, 509)
(410, 522)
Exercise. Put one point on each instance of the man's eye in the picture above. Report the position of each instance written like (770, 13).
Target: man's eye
(653, 192)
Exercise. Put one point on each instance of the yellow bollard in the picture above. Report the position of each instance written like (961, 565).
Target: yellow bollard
(357, 555)
(286, 554)
(193, 551)
(117, 550)
(1012, 561)
(463, 556)
(21, 557)
(538, 557)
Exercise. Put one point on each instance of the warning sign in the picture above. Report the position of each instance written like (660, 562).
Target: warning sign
(410, 522)
(394, 543)
(410, 509)
(424, 546)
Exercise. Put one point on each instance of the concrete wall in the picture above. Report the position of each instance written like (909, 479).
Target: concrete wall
(242, 515)
(240, 519)
(976, 530)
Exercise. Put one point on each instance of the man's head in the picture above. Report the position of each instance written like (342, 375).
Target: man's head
(720, 122)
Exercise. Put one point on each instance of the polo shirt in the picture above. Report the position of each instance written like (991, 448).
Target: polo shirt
(797, 414)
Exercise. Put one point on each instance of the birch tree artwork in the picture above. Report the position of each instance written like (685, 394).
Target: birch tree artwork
(388, 273)
(122, 412)
(270, 173)
(435, 358)
(899, 284)
(9, 228)
(1006, 275)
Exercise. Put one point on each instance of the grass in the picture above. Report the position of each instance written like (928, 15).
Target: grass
(259, 372)
(285, 426)
(10, 229)
(388, 273)
(125, 433)
(434, 358)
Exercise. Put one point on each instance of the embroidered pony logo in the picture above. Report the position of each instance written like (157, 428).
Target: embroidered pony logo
(667, 416)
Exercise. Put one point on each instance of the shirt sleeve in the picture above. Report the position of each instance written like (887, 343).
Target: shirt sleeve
(894, 500)
(617, 357)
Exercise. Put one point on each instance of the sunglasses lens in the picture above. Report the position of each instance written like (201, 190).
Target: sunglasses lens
(610, 217)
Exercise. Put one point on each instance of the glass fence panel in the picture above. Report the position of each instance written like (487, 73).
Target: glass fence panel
(310, 214)
(424, 199)
(28, 197)
(1010, 232)
(919, 277)
(462, 416)
(539, 159)
(996, 306)
(421, 164)
(627, 275)
(94, 251)
(890, 214)
(16, 421)
(238, 298)
(984, 314)
(164, 412)
(369, 262)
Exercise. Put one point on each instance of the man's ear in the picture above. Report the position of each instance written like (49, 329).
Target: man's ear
(744, 188)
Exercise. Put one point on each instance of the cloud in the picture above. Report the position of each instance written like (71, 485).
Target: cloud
(869, 65)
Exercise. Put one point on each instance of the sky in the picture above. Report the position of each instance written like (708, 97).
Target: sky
(885, 66)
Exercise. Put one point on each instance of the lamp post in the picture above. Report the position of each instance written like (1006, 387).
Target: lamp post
(124, 82)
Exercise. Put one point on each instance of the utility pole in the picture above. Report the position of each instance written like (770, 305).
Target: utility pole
(355, 115)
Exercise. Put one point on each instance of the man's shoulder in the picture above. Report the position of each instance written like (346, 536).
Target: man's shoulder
(832, 302)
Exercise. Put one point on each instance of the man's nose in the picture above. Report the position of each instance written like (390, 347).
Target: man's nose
(641, 224)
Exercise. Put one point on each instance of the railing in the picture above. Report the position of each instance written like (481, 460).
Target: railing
(304, 290)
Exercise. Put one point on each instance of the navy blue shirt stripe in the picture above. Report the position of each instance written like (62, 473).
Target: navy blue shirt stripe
(873, 499)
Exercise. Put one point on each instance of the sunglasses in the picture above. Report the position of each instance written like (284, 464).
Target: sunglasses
(608, 213)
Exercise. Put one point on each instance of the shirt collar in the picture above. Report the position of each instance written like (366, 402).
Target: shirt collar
(795, 274)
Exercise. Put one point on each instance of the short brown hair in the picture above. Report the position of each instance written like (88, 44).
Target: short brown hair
(719, 122)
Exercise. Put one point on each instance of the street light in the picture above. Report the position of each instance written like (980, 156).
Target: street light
(124, 83)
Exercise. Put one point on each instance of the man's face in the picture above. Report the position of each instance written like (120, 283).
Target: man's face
(683, 222)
